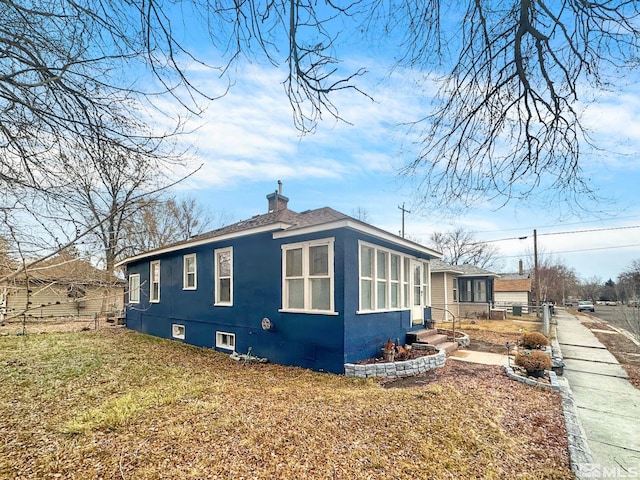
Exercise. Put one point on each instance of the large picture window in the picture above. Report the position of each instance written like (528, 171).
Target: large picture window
(308, 276)
(189, 272)
(134, 288)
(154, 274)
(472, 290)
(224, 276)
(386, 279)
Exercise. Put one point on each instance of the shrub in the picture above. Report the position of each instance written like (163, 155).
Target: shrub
(533, 361)
(534, 340)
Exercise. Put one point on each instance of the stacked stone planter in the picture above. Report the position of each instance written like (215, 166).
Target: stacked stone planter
(404, 368)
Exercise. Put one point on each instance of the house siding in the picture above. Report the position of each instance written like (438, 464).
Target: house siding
(322, 342)
(444, 306)
(307, 340)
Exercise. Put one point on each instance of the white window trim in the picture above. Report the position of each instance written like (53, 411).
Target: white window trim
(178, 331)
(306, 278)
(221, 344)
(185, 282)
(403, 302)
(151, 282)
(217, 278)
(137, 289)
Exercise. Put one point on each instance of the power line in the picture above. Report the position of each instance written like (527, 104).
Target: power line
(576, 251)
(559, 233)
(543, 226)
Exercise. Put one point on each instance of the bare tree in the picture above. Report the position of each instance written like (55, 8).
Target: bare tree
(505, 125)
(361, 213)
(557, 281)
(507, 122)
(460, 247)
(590, 288)
(161, 221)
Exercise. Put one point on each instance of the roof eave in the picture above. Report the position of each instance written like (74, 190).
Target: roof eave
(197, 242)
(361, 227)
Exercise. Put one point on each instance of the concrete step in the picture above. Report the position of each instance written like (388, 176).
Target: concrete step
(438, 339)
(448, 346)
(422, 336)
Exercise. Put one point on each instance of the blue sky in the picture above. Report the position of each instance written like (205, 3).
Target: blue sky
(246, 142)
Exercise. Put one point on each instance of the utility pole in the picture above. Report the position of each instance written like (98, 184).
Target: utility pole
(536, 272)
(403, 212)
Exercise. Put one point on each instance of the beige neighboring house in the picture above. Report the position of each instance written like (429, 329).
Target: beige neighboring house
(444, 291)
(513, 289)
(62, 286)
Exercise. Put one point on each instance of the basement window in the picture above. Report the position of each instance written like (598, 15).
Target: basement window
(177, 331)
(226, 340)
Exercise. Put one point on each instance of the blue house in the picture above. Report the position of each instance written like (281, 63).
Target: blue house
(315, 289)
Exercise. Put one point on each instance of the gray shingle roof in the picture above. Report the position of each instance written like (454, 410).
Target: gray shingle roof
(296, 220)
(473, 271)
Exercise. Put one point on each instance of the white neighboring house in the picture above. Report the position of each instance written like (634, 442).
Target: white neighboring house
(512, 289)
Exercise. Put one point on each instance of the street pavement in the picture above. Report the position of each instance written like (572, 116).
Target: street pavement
(608, 406)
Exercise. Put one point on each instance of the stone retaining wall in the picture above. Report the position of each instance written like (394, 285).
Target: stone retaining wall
(530, 381)
(405, 368)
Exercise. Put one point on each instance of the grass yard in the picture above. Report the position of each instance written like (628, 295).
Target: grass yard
(115, 404)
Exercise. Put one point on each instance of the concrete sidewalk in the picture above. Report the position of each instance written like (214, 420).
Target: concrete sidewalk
(608, 406)
(485, 358)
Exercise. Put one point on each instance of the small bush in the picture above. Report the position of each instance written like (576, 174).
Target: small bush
(534, 340)
(533, 361)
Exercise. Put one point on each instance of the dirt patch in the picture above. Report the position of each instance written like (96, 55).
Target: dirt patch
(494, 342)
(400, 357)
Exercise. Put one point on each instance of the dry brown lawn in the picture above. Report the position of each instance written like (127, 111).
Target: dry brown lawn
(116, 404)
(492, 335)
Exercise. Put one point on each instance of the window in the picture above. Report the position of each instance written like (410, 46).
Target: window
(177, 331)
(385, 279)
(395, 281)
(455, 289)
(225, 340)
(308, 276)
(405, 283)
(134, 288)
(189, 274)
(366, 278)
(154, 294)
(426, 273)
(479, 291)
(224, 276)
(382, 279)
(472, 290)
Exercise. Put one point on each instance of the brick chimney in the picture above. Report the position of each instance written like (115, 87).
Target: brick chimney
(277, 201)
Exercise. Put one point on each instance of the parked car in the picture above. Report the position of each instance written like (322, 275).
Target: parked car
(586, 306)
(610, 303)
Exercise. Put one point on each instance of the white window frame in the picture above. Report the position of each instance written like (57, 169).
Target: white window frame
(152, 265)
(402, 283)
(178, 331)
(306, 277)
(226, 340)
(186, 273)
(426, 283)
(217, 290)
(455, 289)
(134, 288)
